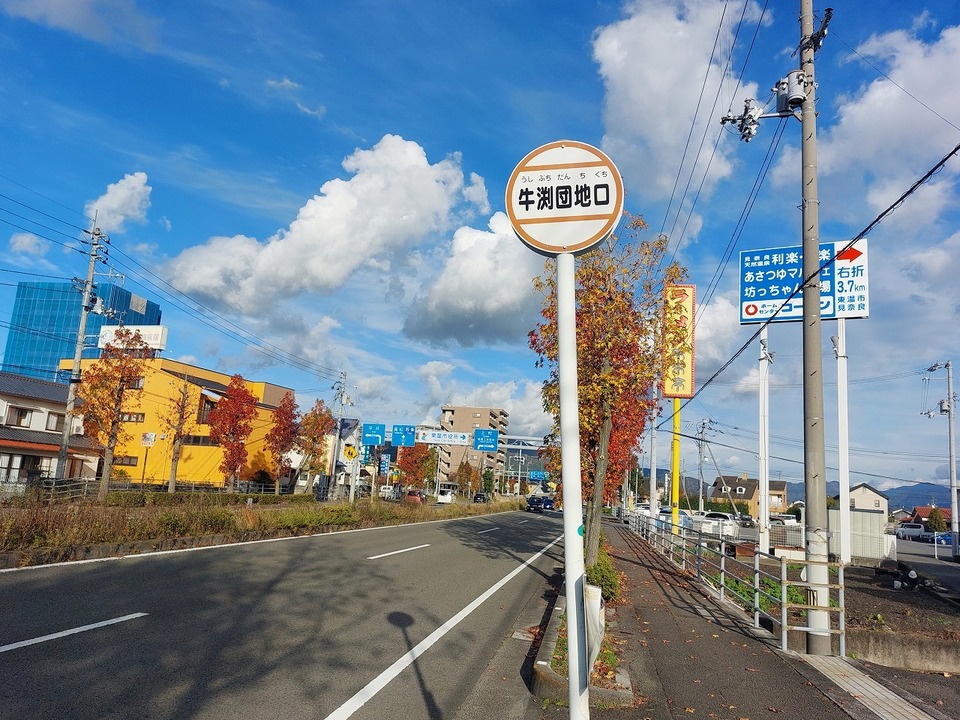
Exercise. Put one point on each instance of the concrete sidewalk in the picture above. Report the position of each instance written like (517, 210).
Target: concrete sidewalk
(690, 657)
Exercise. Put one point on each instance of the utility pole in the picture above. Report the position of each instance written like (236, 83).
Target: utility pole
(766, 358)
(946, 408)
(814, 461)
(341, 387)
(97, 241)
(797, 92)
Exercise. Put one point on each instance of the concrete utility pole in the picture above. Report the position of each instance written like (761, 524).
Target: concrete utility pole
(97, 241)
(766, 358)
(814, 462)
(340, 386)
(946, 408)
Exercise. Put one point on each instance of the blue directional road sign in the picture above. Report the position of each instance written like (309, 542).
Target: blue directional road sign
(769, 277)
(537, 475)
(373, 434)
(486, 440)
(404, 436)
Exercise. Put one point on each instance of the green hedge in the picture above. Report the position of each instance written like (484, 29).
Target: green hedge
(604, 575)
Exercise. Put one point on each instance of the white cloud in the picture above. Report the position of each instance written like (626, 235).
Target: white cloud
(652, 64)
(394, 201)
(28, 244)
(318, 111)
(484, 292)
(285, 84)
(125, 200)
(115, 21)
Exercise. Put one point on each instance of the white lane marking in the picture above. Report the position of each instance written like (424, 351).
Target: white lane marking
(368, 691)
(486, 531)
(84, 628)
(521, 522)
(397, 552)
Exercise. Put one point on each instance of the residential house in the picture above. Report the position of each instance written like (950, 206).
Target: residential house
(922, 514)
(32, 414)
(742, 489)
(866, 497)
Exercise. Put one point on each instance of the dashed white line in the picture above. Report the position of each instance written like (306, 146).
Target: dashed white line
(369, 690)
(397, 552)
(73, 631)
(486, 531)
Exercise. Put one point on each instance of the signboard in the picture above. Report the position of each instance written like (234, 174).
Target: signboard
(564, 197)
(769, 276)
(678, 363)
(148, 439)
(384, 464)
(373, 434)
(442, 437)
(537, 475)
(486, 440)
(404, 436)
(155, 336)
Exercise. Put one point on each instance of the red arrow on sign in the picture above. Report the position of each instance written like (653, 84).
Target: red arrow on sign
(850, 254)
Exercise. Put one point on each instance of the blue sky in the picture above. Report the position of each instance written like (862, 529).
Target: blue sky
(327, 179)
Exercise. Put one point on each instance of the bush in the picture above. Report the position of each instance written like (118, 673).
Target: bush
(604, 575)
(126, 499)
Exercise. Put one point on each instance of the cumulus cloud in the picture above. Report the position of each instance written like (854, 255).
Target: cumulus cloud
(28, 244)
(638, 79)
(125, 200)
(394, 201)
(484, 293)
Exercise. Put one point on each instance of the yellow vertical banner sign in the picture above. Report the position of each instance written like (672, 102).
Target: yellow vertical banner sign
(678, 344)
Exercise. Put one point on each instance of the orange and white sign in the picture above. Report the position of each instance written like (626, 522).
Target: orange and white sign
(564, 197)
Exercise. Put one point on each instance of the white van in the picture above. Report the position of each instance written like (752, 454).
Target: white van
(445, 496)
(909, 531)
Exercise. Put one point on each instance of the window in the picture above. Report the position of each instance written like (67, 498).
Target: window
(876, 503)
(55, 422)
(19, 417)
(129, 460)
(725, 488)
(136, 384)
(132, 417)
(197, 440)
(741, 491)
(203, 413)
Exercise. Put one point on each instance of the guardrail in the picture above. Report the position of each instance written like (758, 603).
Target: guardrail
(770, 588)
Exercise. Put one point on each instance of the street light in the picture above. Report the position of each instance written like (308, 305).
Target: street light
(946, 408)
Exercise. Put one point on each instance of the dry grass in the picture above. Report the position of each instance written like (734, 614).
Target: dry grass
(43, 531)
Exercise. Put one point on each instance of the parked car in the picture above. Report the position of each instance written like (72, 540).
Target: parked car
(413, 497)
(909, 531)
(535, 503)
(941, 537)
(665, 518)
(481, 497)
(446, 497)
(719, 523)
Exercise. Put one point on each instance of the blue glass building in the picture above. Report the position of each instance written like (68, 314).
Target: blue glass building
(46, 317)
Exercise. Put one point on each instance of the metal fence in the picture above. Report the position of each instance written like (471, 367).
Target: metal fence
(772, 589)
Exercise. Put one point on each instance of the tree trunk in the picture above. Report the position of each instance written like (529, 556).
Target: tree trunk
(595, 506)
(107, 471)
(174, 461)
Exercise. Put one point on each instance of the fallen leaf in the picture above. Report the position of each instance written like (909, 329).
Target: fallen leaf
(689, 710)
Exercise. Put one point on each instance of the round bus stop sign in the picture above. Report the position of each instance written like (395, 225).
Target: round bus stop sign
(564, 197)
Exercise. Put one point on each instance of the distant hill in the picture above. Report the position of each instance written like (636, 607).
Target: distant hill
(903, 496)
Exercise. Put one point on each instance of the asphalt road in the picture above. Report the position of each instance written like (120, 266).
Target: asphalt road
(391, 622)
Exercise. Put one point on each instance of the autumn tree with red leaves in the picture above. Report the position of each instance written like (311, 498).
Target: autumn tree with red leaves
(231, 422)
(108, 390)
(620, 331)
(283, 436)
(315, 426)
(417, 463)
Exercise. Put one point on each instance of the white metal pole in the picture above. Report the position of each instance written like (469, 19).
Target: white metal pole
(764, 470)
(955, 535)
(654, 504)
(843, 429)
(578, 673)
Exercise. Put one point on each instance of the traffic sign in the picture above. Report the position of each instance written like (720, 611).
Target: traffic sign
(769, 276)
(442, 437)
(148, 439)
(564, 197)
(404, 436)
(373, 434)
(486, 440)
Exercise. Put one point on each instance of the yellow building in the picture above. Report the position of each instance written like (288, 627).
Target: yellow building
(147, 452)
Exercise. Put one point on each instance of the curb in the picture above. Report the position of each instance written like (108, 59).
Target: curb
(546, 684)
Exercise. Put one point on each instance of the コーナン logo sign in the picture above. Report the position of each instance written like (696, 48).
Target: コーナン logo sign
(564, 197)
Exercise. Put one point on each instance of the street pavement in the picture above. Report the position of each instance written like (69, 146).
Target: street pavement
(690, 657)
